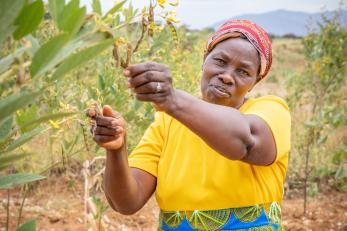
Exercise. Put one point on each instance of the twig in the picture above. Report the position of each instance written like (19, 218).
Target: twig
(144, 28)
(8, 210)
(21, 206)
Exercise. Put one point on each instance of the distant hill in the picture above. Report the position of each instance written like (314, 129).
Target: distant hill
(282, 22)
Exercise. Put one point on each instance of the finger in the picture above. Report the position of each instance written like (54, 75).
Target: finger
(107, 111)
(100, 139)
(146, 77)
(150, 88)
(108, 131)
(90, 112)
(137, 69)
(106, 121)
(156, 98)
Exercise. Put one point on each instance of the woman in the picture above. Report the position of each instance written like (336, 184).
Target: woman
(216, 163)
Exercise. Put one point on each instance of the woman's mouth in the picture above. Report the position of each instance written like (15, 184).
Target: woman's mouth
(220, 91)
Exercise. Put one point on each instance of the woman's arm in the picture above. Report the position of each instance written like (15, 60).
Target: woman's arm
(127, 189)
(225, 129)
(231, 133)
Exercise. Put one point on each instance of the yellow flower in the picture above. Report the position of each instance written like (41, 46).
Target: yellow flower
(54, 124)
(161, 3)
(120, 41)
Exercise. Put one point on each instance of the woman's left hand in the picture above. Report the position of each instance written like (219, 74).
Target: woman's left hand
(152, 82)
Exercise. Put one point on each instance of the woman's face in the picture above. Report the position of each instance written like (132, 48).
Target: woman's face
(229, 71)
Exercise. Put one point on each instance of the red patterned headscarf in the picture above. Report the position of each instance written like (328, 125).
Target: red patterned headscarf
(255, 35)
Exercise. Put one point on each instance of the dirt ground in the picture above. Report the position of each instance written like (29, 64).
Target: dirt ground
(57, 204)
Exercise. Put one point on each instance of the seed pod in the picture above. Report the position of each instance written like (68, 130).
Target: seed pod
(129, 54)
(116, 54)
(174, 32)
(150, 20)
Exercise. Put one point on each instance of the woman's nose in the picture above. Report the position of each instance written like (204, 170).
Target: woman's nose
(226, 78)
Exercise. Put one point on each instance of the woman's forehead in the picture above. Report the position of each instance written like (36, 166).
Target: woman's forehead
(236, 47)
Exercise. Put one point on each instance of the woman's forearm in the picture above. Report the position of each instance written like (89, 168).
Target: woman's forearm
(225, 129)
(121, 187)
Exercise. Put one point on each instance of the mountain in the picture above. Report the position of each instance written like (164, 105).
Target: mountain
(282, 22)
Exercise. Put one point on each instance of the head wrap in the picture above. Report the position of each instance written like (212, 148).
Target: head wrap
(255, 35)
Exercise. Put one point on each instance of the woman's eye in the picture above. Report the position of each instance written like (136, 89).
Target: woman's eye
(219, 61)
(243, 72)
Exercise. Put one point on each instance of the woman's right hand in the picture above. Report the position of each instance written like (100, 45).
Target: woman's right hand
(109, 129)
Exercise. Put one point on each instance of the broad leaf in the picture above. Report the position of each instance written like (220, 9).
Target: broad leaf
(45, 118)
(34, 45)
(8, 159)
(80, 57)
(28, 19)
(23, 139)
(11, 181)
(9, 11)
(5, 63)
(28, 226)
(71, 17)
(6, 126)
(12, 103)
(115, 9)
(55, 9)
(46, 54)
(97, 7)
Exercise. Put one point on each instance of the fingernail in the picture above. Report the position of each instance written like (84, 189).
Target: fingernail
(128, 84)
(126, 72)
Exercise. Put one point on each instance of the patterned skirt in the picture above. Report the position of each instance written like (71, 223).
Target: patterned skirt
(254, 218)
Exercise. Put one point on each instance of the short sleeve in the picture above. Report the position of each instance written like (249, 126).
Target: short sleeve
(147, 153)
(275, 112)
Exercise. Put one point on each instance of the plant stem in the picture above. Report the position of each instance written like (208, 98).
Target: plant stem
(22, 205)
(8, 210)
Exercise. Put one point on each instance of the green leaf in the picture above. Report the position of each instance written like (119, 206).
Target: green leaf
(9, 11)
(84, 39)
(55, 9)
(23, 139)
(28, 226)
(115, 9)
(45, 118)
(28, 19)
(7, 160)
(322, 139)
(6, 62)
(101, 82)
(11, 181)
(44, 56)
(34, 45)
(97, 7)
(80, 57)
(310, 124)
(12, 103)
(5, 127)
(71, 17)
(23, 116)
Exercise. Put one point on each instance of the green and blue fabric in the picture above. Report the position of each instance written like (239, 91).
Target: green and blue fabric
(254, 218)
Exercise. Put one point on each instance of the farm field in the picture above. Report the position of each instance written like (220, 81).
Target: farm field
(52, 70)
(57, 204)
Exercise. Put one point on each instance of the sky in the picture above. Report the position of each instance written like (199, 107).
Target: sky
(198, 14)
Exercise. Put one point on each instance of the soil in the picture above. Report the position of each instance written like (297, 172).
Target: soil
(57, 204)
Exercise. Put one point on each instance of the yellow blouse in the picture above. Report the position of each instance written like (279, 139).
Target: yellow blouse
(192, 176)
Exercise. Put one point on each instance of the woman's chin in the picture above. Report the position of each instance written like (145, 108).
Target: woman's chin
(217, 100)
